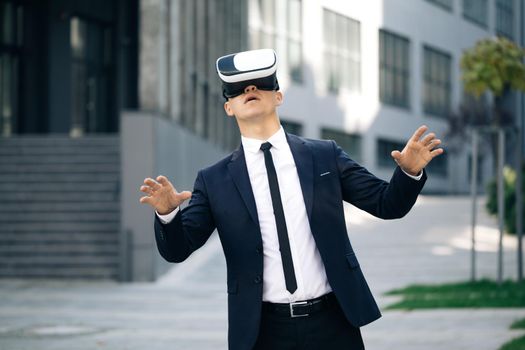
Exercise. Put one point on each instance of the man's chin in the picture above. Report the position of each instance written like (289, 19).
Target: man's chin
(253, 116)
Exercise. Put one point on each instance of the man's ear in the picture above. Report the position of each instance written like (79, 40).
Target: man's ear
(228, 109)
(279, 97)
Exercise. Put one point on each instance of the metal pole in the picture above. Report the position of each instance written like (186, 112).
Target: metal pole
(501, 204)
(474, 192)
(519, 164)
(519, 202)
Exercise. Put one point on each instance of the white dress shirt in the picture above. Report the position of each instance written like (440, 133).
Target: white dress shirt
(309, 268)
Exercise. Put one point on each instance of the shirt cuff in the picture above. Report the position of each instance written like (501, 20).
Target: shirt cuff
(417, 177)
(166, 219)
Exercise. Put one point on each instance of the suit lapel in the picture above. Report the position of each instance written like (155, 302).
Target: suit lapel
(303, 158)
(239, 174)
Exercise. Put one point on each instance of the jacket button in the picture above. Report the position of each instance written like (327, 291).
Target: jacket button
(258, 279)
(258, 250)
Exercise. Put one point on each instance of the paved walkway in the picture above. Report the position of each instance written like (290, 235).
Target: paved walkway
(187, 308)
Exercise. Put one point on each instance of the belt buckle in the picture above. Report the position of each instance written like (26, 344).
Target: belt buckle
(297, 303)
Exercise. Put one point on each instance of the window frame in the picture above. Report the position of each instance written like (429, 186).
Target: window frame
(504, 8)
(440, 4)
(472, 18)
(398, 71)
(345, 140)
(432, 53)
(338, 58)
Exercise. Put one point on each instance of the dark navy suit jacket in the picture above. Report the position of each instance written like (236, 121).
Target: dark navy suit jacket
(222, 198)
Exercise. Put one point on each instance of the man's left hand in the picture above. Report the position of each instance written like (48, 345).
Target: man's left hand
(418, 152)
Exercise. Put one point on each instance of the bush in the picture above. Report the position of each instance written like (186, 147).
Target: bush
(509, 176)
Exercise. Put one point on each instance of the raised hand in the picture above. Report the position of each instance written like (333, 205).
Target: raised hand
(161, 195)
(417, 152)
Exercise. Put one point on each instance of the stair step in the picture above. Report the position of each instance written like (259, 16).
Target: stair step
(59, 140)
(42, 217)
(60, 209)
(46, 159)
(29, 207)
(59, 177)
(63, 151)
(59, 248)
(62, 196)
(113, 167)
(54, 259)
(59, 186)
(60, 271)
(12, 227)
(59, 237)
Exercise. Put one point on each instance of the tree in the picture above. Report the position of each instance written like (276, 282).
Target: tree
(495, 65)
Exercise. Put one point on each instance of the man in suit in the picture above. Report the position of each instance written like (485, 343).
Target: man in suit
(293, 278)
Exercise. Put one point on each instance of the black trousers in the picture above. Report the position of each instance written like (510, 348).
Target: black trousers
(327, 329)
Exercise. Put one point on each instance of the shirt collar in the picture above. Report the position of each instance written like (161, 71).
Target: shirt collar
(278, 140)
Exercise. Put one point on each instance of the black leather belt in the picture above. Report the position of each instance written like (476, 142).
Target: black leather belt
(300, 308)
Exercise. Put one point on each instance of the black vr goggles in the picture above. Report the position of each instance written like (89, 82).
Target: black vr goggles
(239, 70)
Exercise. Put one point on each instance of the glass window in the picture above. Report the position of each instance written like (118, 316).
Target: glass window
(292, 127)
(350, 143)
(476, 11)
(446, 4)
(265, 32)
(437, 82)
(505, 18)
(384, 149)
(294, 40)
(438, 166)
(11, 59)
(342, 52)
(91, 71)
(262, 24)
(394, 74)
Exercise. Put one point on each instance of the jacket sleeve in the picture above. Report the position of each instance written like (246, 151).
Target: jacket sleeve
(189, 230)
(385, 200)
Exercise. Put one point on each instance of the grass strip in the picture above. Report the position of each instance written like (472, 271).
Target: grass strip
(480, 294)
(514, 344)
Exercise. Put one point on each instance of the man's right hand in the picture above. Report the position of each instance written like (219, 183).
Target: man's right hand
(161, 195)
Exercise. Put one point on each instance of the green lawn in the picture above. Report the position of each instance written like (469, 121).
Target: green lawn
(467, 294)
(457, 295)
(514, 344)
(518, 324)
(518, 343)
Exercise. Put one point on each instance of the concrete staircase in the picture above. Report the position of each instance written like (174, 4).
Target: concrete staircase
(59, 207)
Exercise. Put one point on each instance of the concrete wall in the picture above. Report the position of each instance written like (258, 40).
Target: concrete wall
(152, 145)
(179, 43)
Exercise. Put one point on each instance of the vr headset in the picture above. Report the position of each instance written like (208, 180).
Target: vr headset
(239, 70)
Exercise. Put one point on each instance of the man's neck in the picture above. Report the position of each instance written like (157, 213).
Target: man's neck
(260, 130)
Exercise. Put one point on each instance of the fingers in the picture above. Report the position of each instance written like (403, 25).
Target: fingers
(428, 138)
(433, 144)
(163, 180)
(152, 183)
(396, 155)
(436, 152)
(185, 195)
(419, 132)
(146, 189)
(146, 199)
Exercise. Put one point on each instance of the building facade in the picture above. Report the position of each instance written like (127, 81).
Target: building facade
(96, 95)
(367, 75)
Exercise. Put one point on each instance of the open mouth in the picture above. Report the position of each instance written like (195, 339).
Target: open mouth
(251, 98)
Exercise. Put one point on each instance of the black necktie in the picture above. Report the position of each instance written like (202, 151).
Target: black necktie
(282, 232)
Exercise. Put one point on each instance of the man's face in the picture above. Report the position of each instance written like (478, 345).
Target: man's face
(253, 103)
